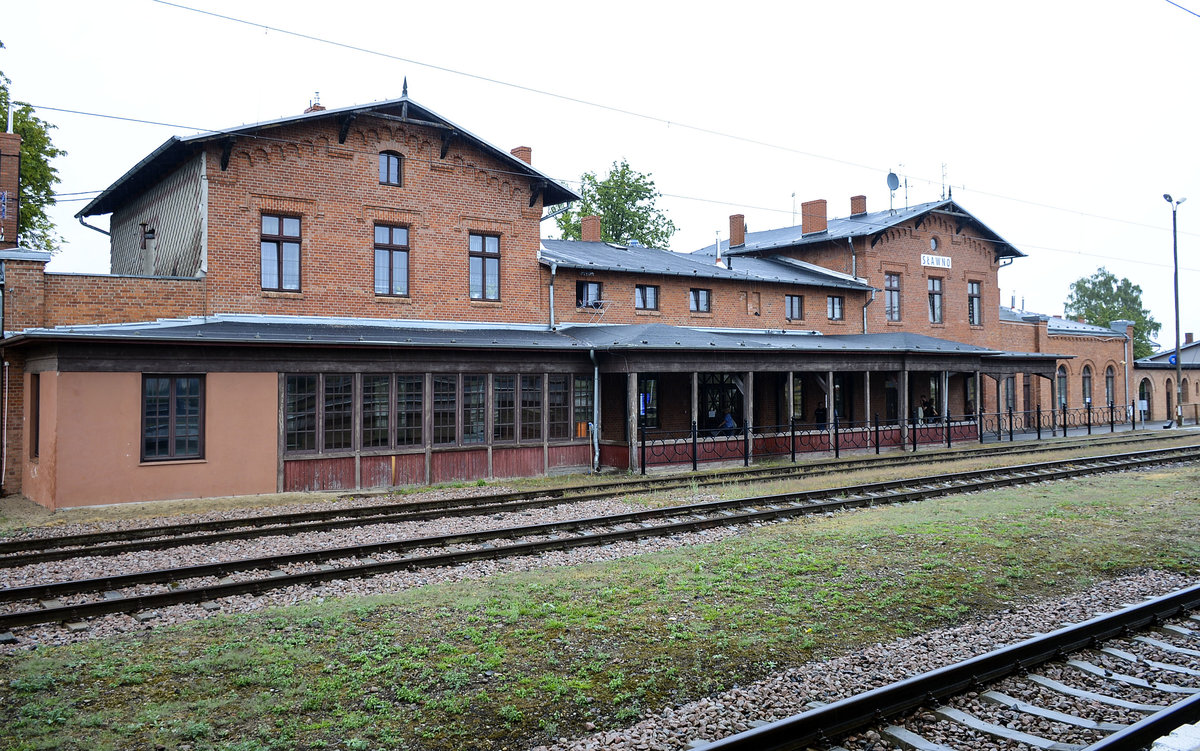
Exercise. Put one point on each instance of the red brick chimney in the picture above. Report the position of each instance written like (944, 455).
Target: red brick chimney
(858, 205)
(1187, 338)
(10, 152)
(524, 153)
(813, 216)
(737, 230)
(589, 229)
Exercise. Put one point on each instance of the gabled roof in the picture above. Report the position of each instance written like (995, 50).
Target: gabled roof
(601, 256)
(1059, 326)
(1189, 355)
(859, 225)
(179, 149)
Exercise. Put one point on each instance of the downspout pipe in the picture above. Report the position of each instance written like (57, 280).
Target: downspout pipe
(865, 306)
(104, 232)
(553, 271)
(595, 410)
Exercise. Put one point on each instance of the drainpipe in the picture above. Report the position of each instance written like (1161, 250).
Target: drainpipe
(553, 271)
(873, 290)
(595, 410)
(4, 431)
(106, 233)
(853, 259)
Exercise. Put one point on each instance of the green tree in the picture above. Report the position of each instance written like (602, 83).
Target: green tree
(1102, 298)
(624, 201)
(38, 175)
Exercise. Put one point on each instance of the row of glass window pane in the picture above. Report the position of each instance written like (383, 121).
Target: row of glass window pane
(172, 417)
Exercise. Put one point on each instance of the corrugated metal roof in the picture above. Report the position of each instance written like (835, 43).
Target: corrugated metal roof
(859, 225)
(178, 149)
(600, 256)
(1060, 326)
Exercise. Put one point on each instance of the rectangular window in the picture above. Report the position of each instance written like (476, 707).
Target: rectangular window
(974, 304)
(300, 405)
(793, 307)
(172, 417)
(376, 410)
(474, 409)
(280, 249)
(485, 267)
(410, 409)
(531, 408)
(391, 260)
(935, 300)
(35, 415)
(445, 409)
(504, 408)
(700, 300)
(587, 294)
(390, 172)
(835, 307)
(648, 401)
(584, 401)
(558, 407)
(338, 413)
(891, 296)
(645, 297)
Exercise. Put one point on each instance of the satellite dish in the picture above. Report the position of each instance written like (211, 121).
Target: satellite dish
(893, 181)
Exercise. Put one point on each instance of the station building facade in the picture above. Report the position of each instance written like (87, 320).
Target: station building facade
(361, 298)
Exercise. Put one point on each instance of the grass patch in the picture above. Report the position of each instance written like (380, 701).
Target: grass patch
(520, 659)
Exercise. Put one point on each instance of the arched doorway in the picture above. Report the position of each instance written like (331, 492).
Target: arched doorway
(1170, 397)
(1144, 398)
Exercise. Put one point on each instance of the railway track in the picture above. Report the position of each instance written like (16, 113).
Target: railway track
(75, 601)
(63, 547)
(1113, 683)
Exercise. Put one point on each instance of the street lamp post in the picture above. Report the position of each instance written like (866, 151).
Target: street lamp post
(1178, 360)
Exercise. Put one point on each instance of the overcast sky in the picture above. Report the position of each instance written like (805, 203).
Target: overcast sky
(1060, 124)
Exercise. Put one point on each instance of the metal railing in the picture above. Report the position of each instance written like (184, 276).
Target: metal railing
(1055, 422)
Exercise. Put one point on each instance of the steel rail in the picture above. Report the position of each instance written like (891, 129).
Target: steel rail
(201, 539)
(832, 721)
(801, 503)
(388, 513)
(481, 503)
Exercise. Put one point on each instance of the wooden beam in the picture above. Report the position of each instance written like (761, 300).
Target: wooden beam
(448, 137)
(226, 152)
(536, 192)
(346, 121)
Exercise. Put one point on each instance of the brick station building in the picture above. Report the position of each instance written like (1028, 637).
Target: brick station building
(361, 297)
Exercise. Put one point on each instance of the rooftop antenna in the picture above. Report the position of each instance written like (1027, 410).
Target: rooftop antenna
(404, 91)
(793, 209)
(943, 181)
(893, 182)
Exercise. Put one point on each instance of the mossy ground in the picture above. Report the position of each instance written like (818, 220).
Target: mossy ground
(515, 660)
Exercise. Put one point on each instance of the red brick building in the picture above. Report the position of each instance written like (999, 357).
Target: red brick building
(361, 298)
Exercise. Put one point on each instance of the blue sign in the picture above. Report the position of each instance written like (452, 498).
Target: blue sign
(1171, 359)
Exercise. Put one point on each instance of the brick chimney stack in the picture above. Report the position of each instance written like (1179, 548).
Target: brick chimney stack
(10, 152)
(813, 216)
(524, 153)
(858, 205)
(1187, 338)
(589, 229)
(737, 230)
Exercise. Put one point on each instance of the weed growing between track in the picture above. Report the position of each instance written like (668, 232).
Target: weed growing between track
(513, 660)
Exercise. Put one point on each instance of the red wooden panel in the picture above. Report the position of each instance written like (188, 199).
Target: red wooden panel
(575, 455)
(517, 462)
(319, 474)
(390, 471)
(459, 465)
(614, 455)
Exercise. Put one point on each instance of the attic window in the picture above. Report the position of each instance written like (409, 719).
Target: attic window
(391, 170)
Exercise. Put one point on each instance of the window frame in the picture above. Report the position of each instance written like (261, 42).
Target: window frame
(796, 302)
(392, 248)
(974, 303)
(279, 241)
(640, 297)
(936, 287)
(1110, 385)
(582, 297)
(389, 155)
(173, 417)
(891, 296)
(700, 300)
(35, 415)
(484, 256)
(1085, 384)
(835, 307)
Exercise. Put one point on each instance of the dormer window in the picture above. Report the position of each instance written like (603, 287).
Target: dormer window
(391, 168)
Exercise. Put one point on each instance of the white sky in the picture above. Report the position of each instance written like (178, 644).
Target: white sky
(1061, 122)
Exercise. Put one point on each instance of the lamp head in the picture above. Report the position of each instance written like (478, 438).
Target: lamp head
(1167, 197)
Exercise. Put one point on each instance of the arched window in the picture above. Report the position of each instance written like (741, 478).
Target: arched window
(391, 168)
(1110, 381)
(1062, 386)
(1087, 384)
(1184, 392)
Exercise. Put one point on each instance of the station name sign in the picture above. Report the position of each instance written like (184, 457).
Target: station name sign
(939, 262)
